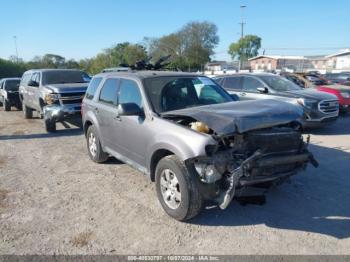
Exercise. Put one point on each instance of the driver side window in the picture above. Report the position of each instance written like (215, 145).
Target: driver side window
(36, 78)
(251, 84)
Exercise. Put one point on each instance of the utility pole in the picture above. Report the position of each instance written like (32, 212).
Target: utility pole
(242, 23)
(15, 40)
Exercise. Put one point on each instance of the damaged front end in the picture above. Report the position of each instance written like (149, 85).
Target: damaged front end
(255, 158)
(258, 144)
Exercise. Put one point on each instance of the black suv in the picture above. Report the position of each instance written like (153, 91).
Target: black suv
(339, 78)
(9, 93)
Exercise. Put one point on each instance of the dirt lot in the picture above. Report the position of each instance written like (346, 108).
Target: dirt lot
(53, 199)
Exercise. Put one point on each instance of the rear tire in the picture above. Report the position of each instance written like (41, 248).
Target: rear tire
(94, 146)
(6, 105)
(50, 125)
(28, 112)
(180, 199)
(19, 106)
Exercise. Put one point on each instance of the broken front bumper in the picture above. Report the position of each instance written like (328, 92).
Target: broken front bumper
(60, 112)
(241, 176)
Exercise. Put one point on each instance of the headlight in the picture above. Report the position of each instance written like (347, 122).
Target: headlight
(345, 95)
(207, 172)
(308, 103)
(51, 98)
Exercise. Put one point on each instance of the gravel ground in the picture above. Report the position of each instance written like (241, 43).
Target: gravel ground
(53, 199)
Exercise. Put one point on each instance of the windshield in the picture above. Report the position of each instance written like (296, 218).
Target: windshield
(12, 85)
(63, 77)
(173, 93)
(280, 84)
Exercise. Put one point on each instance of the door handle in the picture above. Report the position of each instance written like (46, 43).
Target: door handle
(242, 94)
(96, 109)
(117, 118)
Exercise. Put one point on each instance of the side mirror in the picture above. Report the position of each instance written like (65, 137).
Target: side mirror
(263, 90)
(129, 109)
(234, 97)
(33, 83)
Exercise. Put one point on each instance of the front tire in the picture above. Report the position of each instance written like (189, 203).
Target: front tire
(27, 112)
(50, 125)
(6, 105)
(177, 189)
(94, 146)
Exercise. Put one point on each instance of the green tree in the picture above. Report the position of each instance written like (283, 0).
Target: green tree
(126, 53)
(53, 61)
(99, 62)
(245, 48)
(190, 47)
(11, 69)
(133, 53)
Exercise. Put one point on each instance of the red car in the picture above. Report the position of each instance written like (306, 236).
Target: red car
(341, 91)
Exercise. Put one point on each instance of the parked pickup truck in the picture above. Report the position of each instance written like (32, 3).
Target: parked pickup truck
(56, 94)
(191, 137)
(9, 93)
(320, 108)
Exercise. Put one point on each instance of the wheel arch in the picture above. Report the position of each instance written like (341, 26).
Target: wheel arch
(156, 157)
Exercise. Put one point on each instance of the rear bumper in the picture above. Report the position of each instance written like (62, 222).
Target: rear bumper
(60, 112)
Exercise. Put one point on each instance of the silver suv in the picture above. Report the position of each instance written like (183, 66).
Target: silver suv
(191, 137)
(55, 93)
(320, 108)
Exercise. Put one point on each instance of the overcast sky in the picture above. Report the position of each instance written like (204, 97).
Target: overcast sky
(80, 29)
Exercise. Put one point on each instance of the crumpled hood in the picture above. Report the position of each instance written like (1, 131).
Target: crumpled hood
(67, 88)
(227, 118)
(311, 93)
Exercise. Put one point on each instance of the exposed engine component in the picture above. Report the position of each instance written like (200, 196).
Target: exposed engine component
(200, 127)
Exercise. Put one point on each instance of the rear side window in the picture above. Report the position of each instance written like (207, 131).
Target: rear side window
(129, 93)
(108, 93)
(91, 90)
(36, 78)
(233, 83)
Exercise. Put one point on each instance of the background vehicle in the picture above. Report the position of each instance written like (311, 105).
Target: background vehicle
(306, 80)
(339, 78)
(9, 93)
(55, 93)
(319, 83)
(319, 107)
(189, 136)
(341, 91)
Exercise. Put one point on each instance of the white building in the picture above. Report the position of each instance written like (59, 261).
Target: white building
(339, 61)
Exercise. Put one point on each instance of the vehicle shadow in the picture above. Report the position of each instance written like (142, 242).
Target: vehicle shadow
(113, 161)
(317, 200)
(58, 133)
